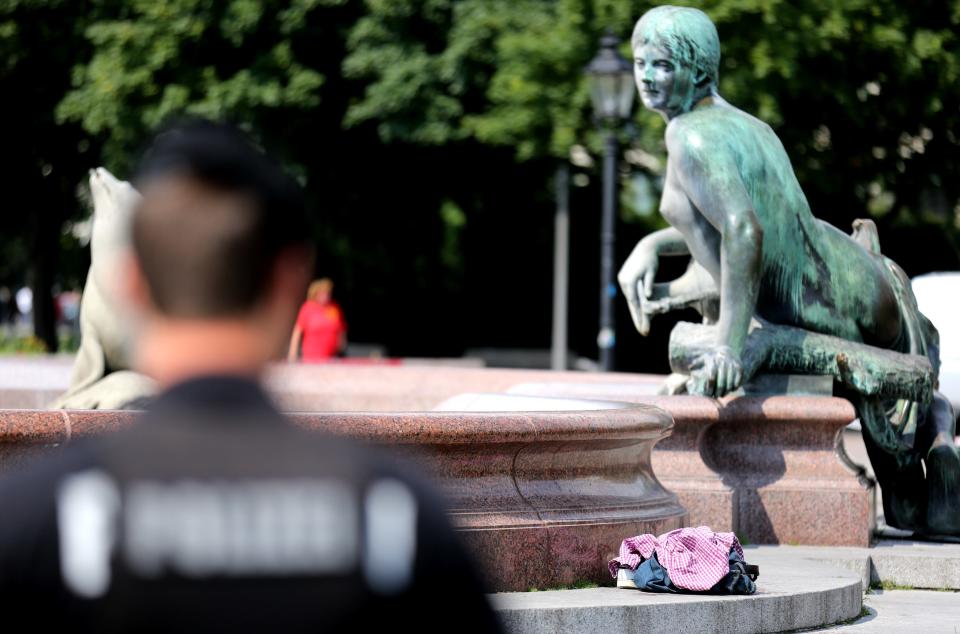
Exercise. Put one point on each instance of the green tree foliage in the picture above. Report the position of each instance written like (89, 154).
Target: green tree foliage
(863, 92)
(498, 71)
(156, 60)
(387, 234)
(42, 160)
(426, 131)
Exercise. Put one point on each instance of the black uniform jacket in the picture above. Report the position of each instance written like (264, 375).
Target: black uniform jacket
(213, 513)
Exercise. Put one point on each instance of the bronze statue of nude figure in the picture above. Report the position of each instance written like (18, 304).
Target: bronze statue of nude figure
(735, 206)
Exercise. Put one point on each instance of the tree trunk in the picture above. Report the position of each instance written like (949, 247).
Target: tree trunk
(45, 252)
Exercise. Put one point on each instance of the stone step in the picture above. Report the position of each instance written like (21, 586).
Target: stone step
(793, 592)
(918, 565)
(915, 584)
(894, 563)
(897, 611)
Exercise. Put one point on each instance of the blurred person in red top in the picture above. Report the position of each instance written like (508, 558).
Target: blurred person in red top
(320, 332)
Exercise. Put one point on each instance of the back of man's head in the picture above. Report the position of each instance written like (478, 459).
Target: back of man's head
(217, 214)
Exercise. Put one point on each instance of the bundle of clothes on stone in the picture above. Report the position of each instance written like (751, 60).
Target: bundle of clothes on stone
(683, 561)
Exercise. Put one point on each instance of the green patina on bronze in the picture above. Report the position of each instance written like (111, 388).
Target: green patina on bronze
(795, 294)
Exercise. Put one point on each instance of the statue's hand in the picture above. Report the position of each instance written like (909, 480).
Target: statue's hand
(716, 373)
(636, 276)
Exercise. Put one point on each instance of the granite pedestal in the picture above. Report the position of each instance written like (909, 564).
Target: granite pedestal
(766, 467)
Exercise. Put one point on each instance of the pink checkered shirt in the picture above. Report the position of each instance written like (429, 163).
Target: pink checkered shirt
(695, 558)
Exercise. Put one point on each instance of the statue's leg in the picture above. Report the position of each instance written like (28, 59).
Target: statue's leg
(943, 468)
(938, 427)
(900, 473)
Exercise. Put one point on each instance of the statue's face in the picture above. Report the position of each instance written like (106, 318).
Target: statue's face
(664, 85)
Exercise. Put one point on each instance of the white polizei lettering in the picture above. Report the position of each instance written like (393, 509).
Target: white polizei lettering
(147, 526)
(260, 534)
(234, 540)
(390, 512)
(196, 550)
(283, 527)
(87, 504)
(292, 537)
(333, 537)
(238, 538)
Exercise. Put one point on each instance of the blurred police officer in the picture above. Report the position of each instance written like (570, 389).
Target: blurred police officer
(212, 513)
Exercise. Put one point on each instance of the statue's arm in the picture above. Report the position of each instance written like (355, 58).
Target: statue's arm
(642, 264)
(641, 269)
(668, 241)
(712, 181)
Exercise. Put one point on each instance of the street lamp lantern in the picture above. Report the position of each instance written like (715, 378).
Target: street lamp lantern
(610, 77)
(611, 88)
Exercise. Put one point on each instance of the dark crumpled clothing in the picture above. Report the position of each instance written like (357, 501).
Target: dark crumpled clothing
(696, 558)
(653, 577)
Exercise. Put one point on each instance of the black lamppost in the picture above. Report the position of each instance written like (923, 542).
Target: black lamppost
(611, 88)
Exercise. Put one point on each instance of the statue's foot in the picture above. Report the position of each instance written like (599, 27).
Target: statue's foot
(943, 487)
(902, 509)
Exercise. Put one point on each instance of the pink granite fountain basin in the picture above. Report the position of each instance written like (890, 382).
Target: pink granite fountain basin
(766, 467)
(771, 468)
(541, 498)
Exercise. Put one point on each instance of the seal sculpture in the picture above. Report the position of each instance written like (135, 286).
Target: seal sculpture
(101, 378)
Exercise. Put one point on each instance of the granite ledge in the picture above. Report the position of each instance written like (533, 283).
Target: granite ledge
(635, 422)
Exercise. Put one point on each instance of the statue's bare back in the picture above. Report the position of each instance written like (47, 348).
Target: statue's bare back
(811, 274)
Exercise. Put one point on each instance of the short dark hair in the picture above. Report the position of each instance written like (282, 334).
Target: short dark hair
(211, 253)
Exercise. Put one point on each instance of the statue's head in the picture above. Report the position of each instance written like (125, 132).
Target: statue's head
(114, 203)
(677, 58)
